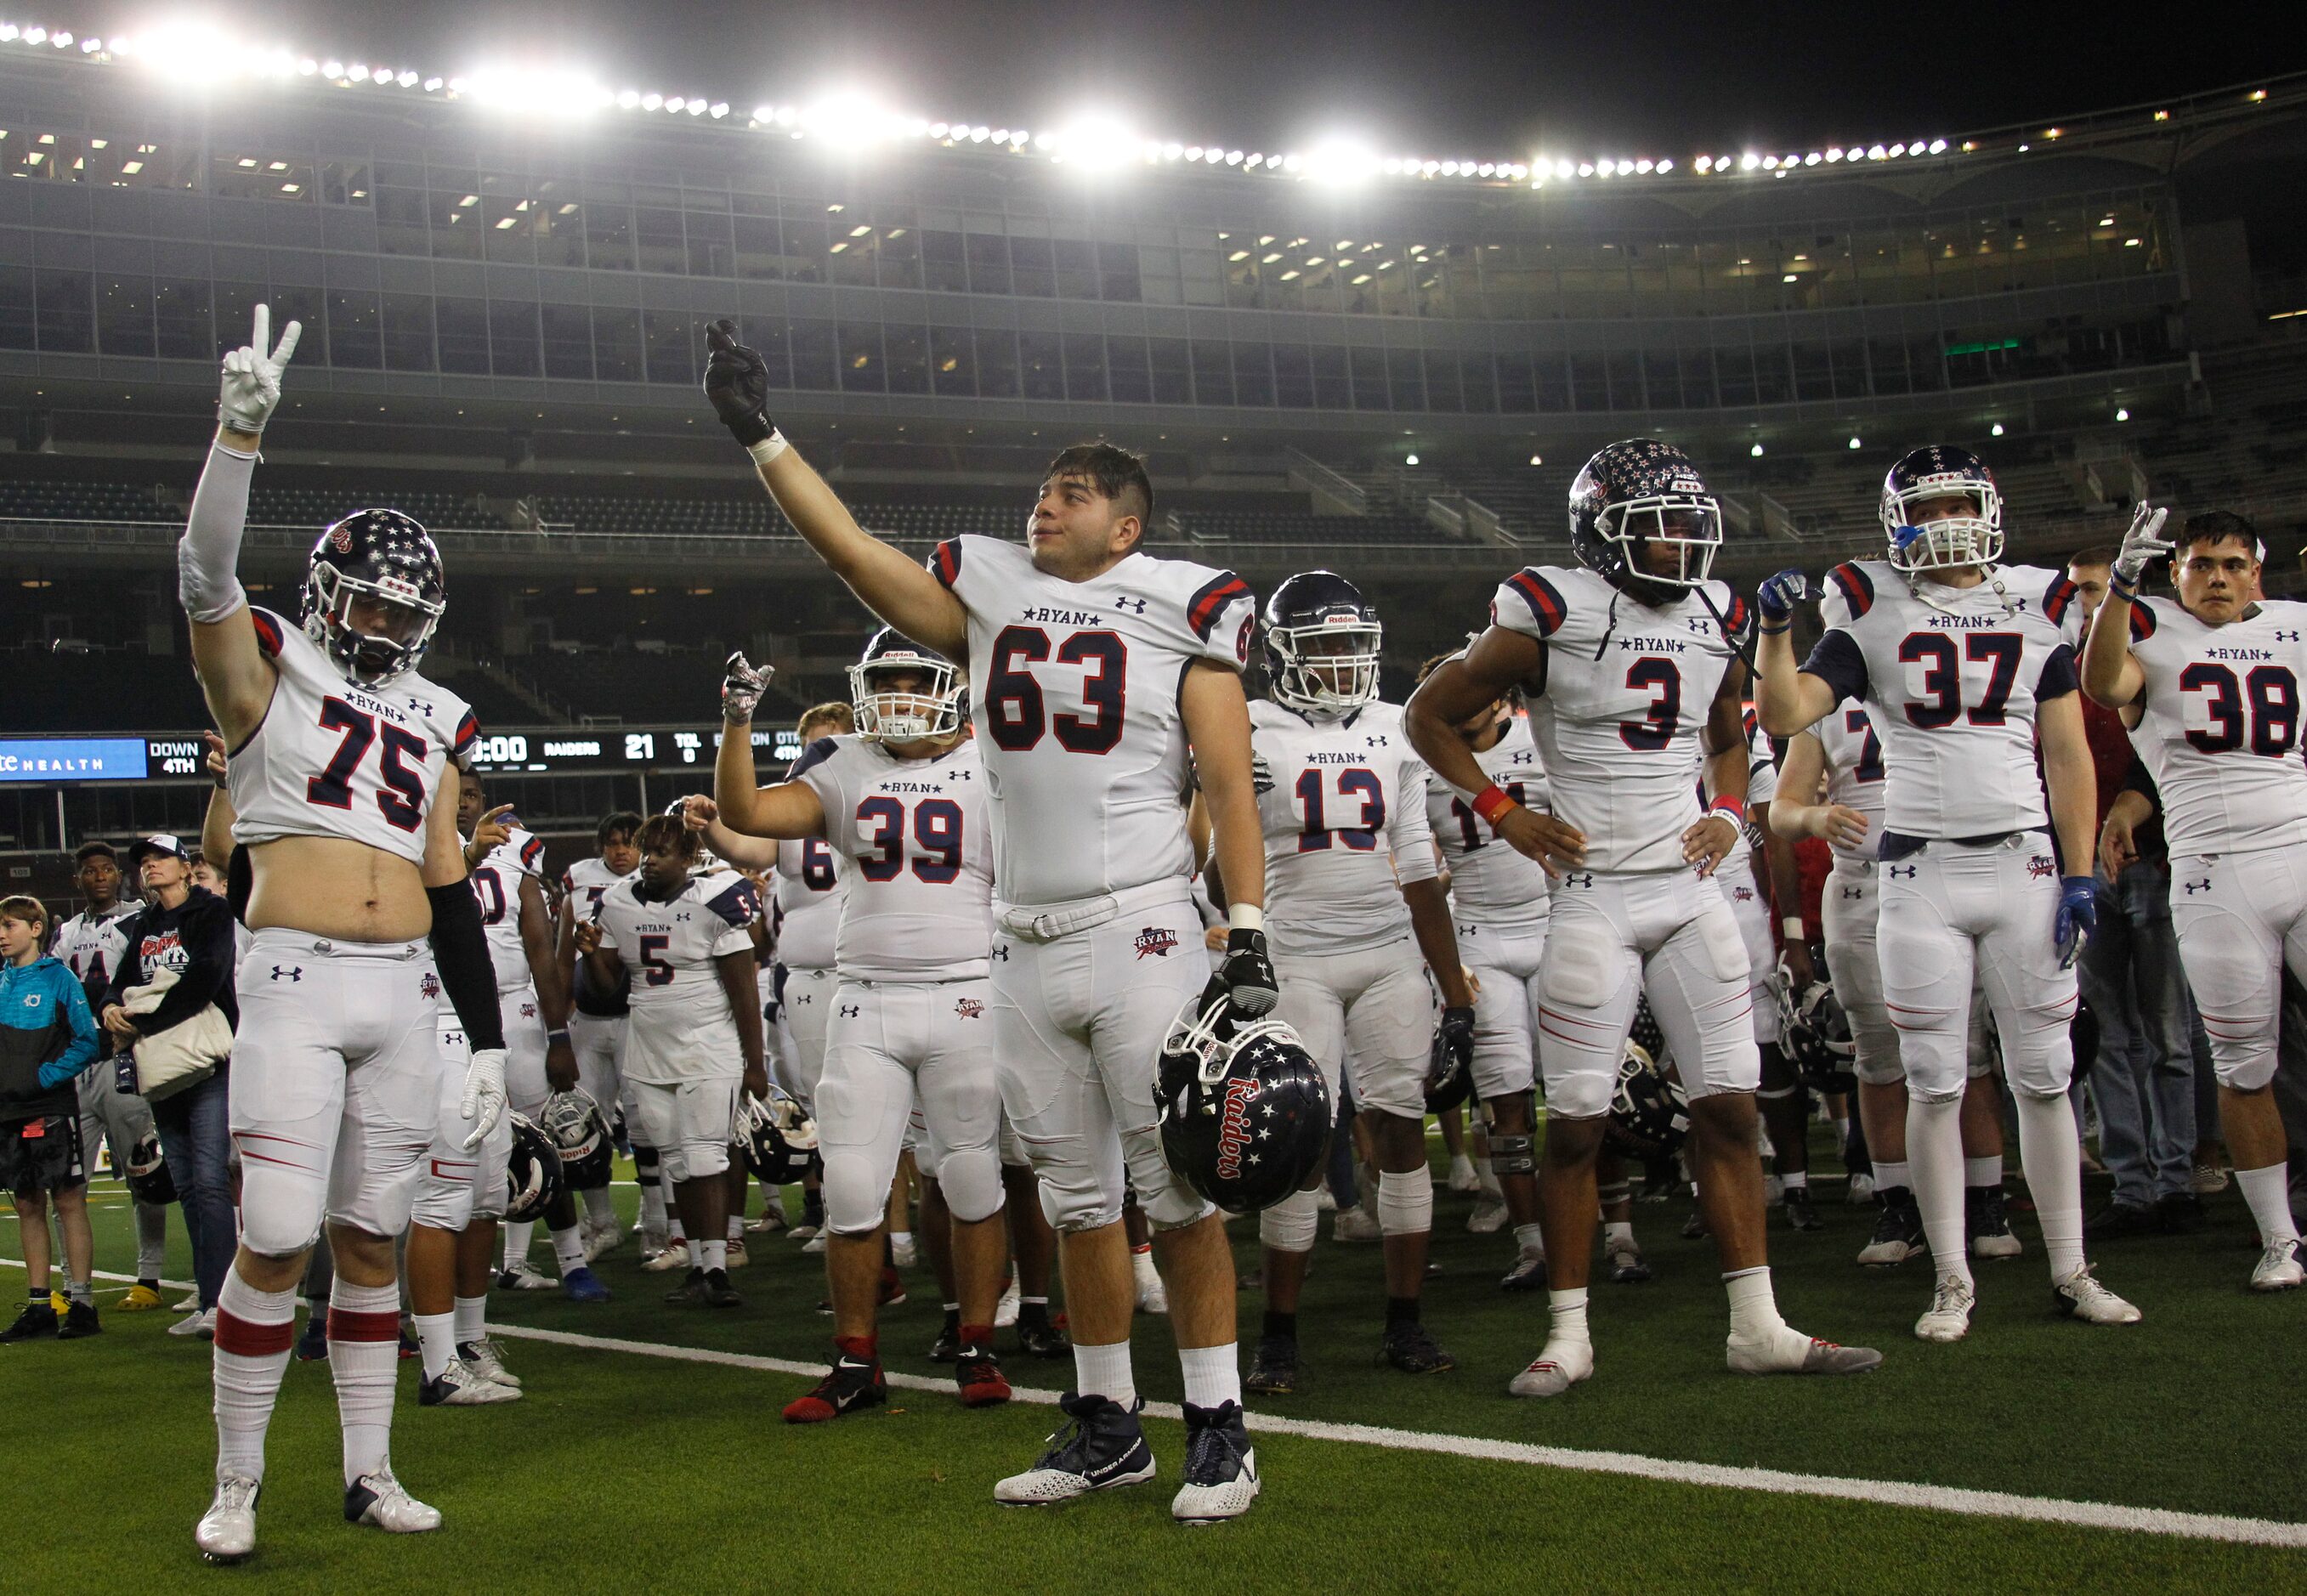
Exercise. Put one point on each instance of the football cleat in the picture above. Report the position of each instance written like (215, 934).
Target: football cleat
(1408, 1347)
(1948, 1318)
(738, 1256)
(483, 1358)
(141, 1298)
(382, 1500)
(1005, 1308)
(312, 1346)
(1042, 1340)
(1274, 1370)
(1100, 1447)
(1221, 1466)
(524, 1276)
(2278, 1267)
(2209, 1179)
(202, 1325)
(227, 1532)
(978, 1374)
(815, 1244)
(1528, 1274)
(806, 1231)
(80, 1321)
(1898, 1233)
(1801, 1213)
(1489, 1214)
(1860, 1191)
(1353, 1225)
(691, 1292)
(852, 1383)
(773, 1219)
(1462, 1177)
(673, 1255)
(1625, 1261)
(1558, 1366)
(407, 1346)
(949, 1340)
(38, 1322)
(458, 1385)
(190, 1304)
(717, 1291)
(1779, 1354)
(580, 1285)
(2080, 1296)
(1989, 1228)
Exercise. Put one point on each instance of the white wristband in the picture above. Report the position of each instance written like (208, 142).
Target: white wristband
(769, 448)
(1245, 917)
(1792, 927)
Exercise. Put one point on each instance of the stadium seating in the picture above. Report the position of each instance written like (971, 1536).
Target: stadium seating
(105, 689)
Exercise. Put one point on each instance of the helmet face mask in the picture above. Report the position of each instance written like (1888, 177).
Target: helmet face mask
(1322, 645)
(373, 595)
(1922, 544)
(1637, 496)
(886, 714)
(775, 1136)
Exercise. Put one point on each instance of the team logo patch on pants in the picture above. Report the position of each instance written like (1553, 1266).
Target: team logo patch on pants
(968, 1008)
(1157, 939)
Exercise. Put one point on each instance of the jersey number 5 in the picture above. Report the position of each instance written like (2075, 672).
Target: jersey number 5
(399, 793)
(1014, 709)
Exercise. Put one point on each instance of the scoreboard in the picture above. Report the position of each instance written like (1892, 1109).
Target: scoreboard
(61, 761)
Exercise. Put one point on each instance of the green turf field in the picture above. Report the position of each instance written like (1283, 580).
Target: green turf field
(627, 1471)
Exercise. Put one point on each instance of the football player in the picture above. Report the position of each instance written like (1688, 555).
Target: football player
(2209, 687)
(339, 749)
(1095, 667)
(596, 1026)
(902, 803)
(1631, 673)
(90, 946)
(1498, 901)
(808, 909)
(1840, 763)
(694, 1035)
(1963, 663)
(1357, 915)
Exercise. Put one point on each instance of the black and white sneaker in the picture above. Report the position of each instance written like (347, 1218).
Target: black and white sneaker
(457, 1386)
(1988, 1226)
(852, 1383)
(1898, 1231)
(382, 1500)
(1409, 1348)
(1274, 1370)
(1801, 1214)
(1528, 1274)
(718, 1293)
(1100, 1447)
(1221, 1467)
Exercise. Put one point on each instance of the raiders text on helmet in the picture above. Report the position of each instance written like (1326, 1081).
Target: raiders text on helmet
(1636, 493)
(934, 709)
(1245, 1114)
(1322, 643)
(380, 557)
(572, 1122)
(1940, 471)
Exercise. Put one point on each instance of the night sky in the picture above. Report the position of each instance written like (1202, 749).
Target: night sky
(1625, 79)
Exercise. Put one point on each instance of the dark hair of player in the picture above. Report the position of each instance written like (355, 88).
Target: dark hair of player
(94, 851)
(1114, 470)
(619, 823)
(2096, 554)
(834, 714)
(2217, 526)
(666, 833)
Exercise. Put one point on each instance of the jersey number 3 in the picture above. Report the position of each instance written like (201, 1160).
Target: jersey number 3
(1014, 709)
(1941, 677)
(399, 792)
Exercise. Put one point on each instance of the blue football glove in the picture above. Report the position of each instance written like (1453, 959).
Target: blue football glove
(2078, 917)
(1777, 595)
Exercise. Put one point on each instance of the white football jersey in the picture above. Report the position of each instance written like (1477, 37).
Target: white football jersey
(681, 1027)
(1761, 787)
(916, 861)
(496, 883)
(90, 945)
(330, 759)
(1952, 688)
(1625, 699)
(2219, 731)
(1854, 773)
(808, 903)
(1074, 692)
(584, 885)
(1490, 884)
(1342, 803)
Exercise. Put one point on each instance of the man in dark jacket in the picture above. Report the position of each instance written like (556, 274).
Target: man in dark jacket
(187, 930)
(46, 1040)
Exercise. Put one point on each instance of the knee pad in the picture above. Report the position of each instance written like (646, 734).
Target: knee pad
(1514, 1154)
(274, 1228)
(1405, 1202)
(1875, 1069)
(855, 1204)
(972, 1184)
(1290, 1224)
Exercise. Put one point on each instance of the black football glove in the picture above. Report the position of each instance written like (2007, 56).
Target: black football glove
(1454, 1044)
(1246, 979)
(737, 382)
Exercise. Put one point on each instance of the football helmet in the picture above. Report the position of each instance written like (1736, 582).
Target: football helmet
(1649, 1116)
(1322, 643)
(1940, 471)
(1639, 492)
(1448, 1082)
(147, 1173)
(384, 557)
(775, 1136)
(884, 716)
(1245, 1112)
(1815, 1035)
(573, 1123)
(532, 1171)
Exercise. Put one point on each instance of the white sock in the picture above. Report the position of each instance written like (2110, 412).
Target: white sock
(653, 1213)
(1532, 1239)
(1487, 1177)
(1982, 1172)
(1888, 1174)
(736, 1227)
(1104, 1371)
(1141, 1266)
(1213, 1374)
(1618, 1232)
(1842, 1125)
(472, 1320)
(1568, 1308)
(2269, 1192)
(900, 1238)
(569, 1250)
(517, 1238)
(696, 1250)
(1753, 1309)
(436, 1336)
(1405, 1202)
(599, 1208)
(1796, 1179)
(711, 1255)
(254, 1330)
(2051, 1152)
(1934, 1154)
(364, 1360)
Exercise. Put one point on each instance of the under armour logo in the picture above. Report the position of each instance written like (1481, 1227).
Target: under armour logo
(849, 1010)
(1854, 892)
(1135, 606)
(1522, 756)
(1376, 742)
(804, 998)
(682, 915)
(420, 706)
(1465, 931)
(287, 972)
(1002, 952)
(1702, 627)
(959, 775)
(1900, 872)
(1581, 878)
(2199, 886)
(2284, 635)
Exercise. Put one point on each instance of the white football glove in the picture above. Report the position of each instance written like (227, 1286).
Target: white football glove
(485, 1094)
(742, 688)
(252, 377)
(2142, 544)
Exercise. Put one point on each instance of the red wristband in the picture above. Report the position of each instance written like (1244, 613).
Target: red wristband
(1736, 808)
(1491, 802)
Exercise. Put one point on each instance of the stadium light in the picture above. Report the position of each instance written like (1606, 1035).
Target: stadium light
(1756, 451)
(1341, 160)
(1996, 430)
(1410, 459)
(1856, 441)
(2122, 415)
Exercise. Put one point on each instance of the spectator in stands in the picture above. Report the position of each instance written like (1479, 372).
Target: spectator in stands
(46, 1040)
(186, 929)
(2144, 1077)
